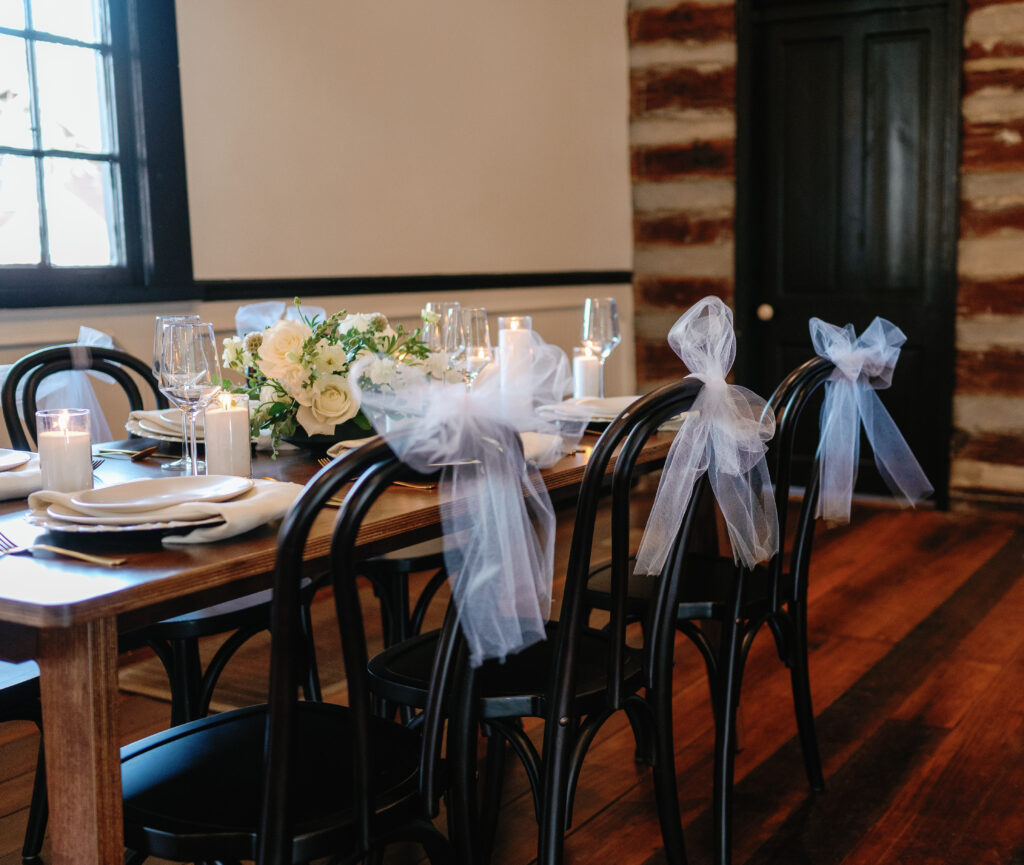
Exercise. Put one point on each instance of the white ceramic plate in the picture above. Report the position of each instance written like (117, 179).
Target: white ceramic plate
(12, 459)
(151, 494)
(68, 515)
(168, 527)
(164, 425)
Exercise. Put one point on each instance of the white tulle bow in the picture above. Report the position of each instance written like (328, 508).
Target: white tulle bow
(500, 525)
(864, 364)
(725, 434)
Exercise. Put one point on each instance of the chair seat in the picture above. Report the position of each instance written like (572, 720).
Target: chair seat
(425, 556)
(515, 687)
(195, 791)
(707, 589)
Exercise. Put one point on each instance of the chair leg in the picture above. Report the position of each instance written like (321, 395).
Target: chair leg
(494, 777)
(186, 678)
(38, 812)
(799, 675)
(462, 794)
(725, 738)
(638, 713)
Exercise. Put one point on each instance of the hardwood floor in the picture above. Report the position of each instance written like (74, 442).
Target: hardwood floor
(917, 669)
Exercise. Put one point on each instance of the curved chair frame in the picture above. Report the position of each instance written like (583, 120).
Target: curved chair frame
(41, 364)
(742, 602)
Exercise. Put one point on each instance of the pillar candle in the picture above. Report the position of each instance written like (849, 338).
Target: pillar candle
(226, 435)
(586, 373)
(65, 451)
(515, 356)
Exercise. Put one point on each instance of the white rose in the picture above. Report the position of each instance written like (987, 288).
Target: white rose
(267, 394)
(331, 404)
(381, 370)
(331, 358)
(281, 349)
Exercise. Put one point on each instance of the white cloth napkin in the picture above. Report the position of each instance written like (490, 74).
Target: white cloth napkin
(541, 449)
(167, 420)
(264, 502)
(18, 483)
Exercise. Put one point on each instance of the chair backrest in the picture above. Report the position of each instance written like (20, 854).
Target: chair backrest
(788, 401)
(624, 439)
(375, 466)
(33, 368)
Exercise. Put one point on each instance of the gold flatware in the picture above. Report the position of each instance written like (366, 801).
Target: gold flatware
(134, 455)
(412, 485)
(9, 548)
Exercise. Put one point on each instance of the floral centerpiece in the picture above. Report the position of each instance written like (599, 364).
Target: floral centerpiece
(296, 372)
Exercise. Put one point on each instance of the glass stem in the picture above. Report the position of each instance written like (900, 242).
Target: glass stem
(193, 448)
(600, 379)
(184, 440)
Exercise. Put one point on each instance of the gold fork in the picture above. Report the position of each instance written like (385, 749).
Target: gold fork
(9, 548)
(412, 485)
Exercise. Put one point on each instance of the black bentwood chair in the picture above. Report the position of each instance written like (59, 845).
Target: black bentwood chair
(175, 641)
(19, 701)
(577, 678)
(291, 781)
(740, 602)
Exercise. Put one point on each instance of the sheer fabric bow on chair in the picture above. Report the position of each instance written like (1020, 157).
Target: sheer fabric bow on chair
(743, 599)
(576, 678)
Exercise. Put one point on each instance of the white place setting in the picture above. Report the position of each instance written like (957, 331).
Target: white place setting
(182, 509)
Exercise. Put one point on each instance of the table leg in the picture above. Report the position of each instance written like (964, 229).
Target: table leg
(78, 680)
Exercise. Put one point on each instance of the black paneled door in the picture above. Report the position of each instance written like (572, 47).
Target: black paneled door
(847, 195)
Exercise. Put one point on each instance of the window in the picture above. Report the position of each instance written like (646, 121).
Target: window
(60, 172)
(92, 201)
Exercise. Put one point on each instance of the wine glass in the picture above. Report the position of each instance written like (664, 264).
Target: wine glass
(474, 351)
(158, 334)
(189, 374)
(601, 329)
(442, 336)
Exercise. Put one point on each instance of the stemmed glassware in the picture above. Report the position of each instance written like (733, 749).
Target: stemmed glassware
(474, 350)
(158, 335)
(189, 374)
(442, 335)
(601, 329)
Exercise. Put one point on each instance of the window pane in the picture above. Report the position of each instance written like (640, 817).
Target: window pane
(15, 113)
(19, 211)
(75, 19)
(72, 98)
(80, 212)
(12, 14)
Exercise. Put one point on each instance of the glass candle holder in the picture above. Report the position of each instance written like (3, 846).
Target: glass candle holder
(515, 360)
(586, 372)
(226, 435)
(65, 449)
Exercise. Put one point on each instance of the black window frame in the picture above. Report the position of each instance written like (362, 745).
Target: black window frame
(154, 200)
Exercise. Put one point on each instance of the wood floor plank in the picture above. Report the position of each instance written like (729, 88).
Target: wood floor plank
(917, 673)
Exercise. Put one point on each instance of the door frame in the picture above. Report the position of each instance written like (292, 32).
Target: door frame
(745, 288)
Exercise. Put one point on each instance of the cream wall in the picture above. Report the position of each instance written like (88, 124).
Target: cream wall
(327, 138)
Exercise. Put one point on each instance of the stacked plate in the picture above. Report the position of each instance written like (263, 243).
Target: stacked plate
(600, 410)
(163, 424)
(13, 459)
(160, 506)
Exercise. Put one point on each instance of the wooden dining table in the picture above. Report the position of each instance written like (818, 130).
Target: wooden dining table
(67, 615)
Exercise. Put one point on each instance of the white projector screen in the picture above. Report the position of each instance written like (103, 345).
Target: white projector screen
(332, 138)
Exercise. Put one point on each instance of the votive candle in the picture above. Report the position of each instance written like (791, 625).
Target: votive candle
(65, 449)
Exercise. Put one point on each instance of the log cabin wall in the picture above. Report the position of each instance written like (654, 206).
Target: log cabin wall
(988, 407)
(682, 139)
